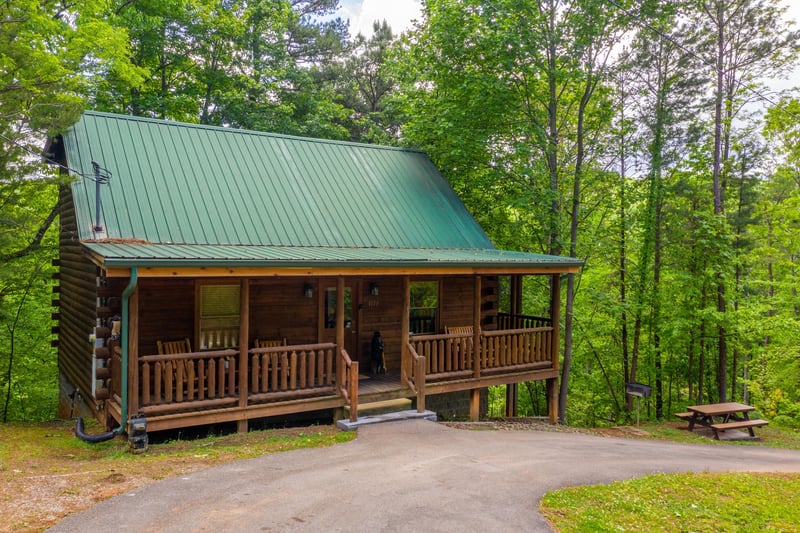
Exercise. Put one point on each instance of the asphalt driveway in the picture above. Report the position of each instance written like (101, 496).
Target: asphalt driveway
(407, 476)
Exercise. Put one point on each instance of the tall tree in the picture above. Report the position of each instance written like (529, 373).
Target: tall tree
(367, 89)
(749, 40)
(506, 92)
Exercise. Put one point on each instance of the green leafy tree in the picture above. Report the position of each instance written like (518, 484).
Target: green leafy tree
(749, 40)
(507, 98)
(50, 54)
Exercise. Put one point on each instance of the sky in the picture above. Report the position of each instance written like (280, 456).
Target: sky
(362, 13)
(400, 13)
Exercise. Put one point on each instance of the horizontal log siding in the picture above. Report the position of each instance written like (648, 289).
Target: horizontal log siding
(456, 301)
(166, 312)
(279, 310)
(78, 301)
(381, 313)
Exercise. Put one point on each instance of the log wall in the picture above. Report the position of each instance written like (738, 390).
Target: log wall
(77, 310)
(166, 312)
(278, 309)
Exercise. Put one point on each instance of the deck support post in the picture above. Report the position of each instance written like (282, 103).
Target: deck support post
(555, 317)
(244, 335)
(512, 392)
(475, 405)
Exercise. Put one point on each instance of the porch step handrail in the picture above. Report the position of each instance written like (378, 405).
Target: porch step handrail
(349, 385)
(416, 382)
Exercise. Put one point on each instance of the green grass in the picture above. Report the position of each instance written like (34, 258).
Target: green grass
(50, 444)
(698, 502)
(770, 436)
(742, 502)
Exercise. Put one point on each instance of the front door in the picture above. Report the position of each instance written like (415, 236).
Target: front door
(328, 315)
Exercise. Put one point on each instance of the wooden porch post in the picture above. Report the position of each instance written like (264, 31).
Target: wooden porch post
(133, 354)
(405, 325)
(512, 389)
(244, 336)
(476, 329)
(516, 294)
(475, 398)
(555, 317)
(339, 332)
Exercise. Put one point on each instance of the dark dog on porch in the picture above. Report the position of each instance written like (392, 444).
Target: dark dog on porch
(376, 354)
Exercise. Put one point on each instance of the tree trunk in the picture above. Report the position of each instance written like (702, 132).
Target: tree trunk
(719, 209)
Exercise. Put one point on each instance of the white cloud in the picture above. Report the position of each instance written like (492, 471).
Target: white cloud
(362, 14)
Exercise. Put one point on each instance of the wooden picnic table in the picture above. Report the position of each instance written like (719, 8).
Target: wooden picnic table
(721, 417)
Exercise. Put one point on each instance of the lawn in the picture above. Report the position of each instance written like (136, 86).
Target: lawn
(697, 502)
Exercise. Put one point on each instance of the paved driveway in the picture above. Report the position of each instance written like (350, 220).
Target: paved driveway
(407, 476)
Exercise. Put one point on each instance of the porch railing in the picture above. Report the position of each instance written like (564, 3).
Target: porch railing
(509, 321)
(205, 379)
(452, 355)
(291, 371)
(210, 379)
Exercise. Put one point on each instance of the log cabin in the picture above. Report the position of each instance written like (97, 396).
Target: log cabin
(213, 275)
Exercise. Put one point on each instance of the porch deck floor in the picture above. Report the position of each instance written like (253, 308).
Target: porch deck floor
(377, 384)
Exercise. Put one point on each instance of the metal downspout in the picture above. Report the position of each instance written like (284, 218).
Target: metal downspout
(126, 294)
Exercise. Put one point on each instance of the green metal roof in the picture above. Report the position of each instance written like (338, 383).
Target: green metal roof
(185, 193)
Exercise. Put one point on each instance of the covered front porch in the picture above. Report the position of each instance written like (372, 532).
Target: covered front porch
(318, 357)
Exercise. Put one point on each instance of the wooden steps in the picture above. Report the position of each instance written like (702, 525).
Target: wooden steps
(384, 411)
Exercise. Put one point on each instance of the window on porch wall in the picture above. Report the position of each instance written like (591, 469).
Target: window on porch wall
(219, 316)
(424, 306)
(330, 307)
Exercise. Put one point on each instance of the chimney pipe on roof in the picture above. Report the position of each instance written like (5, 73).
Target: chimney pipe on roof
(101, 176)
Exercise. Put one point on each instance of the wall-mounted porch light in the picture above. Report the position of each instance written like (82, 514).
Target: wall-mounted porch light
(373, 289)
(308, 290)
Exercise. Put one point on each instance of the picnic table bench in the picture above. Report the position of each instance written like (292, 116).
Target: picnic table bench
(722, 417)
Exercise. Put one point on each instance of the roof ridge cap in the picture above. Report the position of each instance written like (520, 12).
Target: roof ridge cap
(257, 133)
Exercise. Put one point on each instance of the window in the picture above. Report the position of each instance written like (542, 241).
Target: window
(219, 316)
(330, 308)
(424, 306)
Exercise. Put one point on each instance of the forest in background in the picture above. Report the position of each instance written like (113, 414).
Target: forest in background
(642, 137)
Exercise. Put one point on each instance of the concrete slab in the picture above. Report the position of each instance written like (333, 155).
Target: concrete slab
(347, 425)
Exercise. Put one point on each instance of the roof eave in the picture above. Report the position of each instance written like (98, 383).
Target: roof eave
(353, 266)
